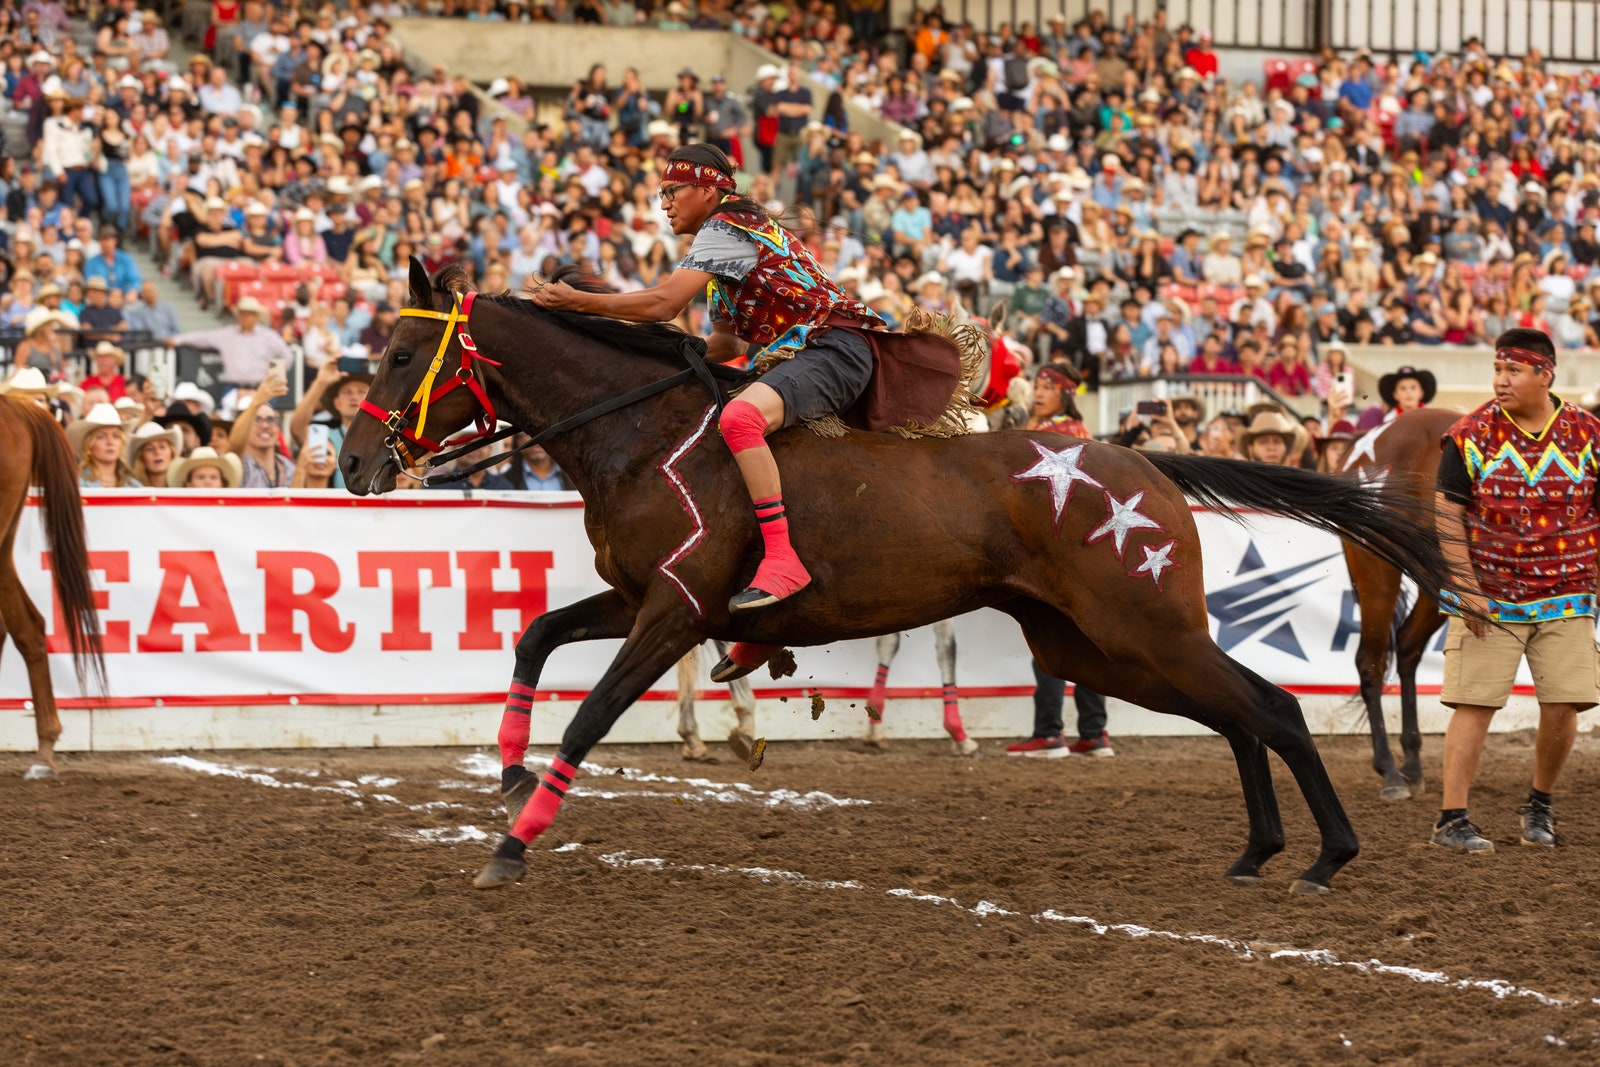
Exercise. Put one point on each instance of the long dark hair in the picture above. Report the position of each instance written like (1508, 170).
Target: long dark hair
(707, 155)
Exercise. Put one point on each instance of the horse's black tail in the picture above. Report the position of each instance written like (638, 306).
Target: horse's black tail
(1395, 521)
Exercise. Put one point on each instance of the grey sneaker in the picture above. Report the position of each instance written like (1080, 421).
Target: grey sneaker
(1538, 825)
(1460, 834)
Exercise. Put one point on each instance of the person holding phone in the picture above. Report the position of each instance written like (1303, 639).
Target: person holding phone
(257, 438)
(331, 402)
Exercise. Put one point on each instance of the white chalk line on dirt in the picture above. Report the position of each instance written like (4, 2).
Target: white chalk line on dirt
(983, 909)
(482, 765)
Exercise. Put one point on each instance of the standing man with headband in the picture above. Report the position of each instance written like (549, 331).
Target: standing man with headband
(765, 289)
(1517, 507)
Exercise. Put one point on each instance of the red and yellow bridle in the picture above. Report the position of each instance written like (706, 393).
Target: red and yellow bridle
(400, 422)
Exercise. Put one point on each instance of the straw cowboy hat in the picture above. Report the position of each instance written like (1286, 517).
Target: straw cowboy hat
(100, 417)
(106, 348)
(249, 305)
(1424, 378)
(205, 456)
(147, 434)
(1276, 422)
(29, 381)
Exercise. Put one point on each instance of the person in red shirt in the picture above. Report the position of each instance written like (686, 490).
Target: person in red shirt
(108, 364)
(1202, 58)
(1211, 360)
(1289, 374)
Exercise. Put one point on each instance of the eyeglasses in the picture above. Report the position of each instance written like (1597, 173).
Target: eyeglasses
(669, 193)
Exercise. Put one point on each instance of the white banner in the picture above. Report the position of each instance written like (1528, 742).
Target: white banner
(319, 598)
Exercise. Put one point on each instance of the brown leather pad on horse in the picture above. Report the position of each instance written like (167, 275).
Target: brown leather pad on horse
(913, 378)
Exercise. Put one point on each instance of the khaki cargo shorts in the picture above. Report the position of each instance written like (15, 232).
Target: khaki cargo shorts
(1562, 656)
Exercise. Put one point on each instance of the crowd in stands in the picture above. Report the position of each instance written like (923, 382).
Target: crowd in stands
(1139, 213)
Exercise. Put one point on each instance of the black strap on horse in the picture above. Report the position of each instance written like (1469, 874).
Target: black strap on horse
(698, 368)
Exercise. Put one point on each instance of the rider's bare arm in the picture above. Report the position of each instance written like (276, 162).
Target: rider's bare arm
(659, 303)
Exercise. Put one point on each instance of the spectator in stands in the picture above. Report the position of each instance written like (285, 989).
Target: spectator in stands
(188, 417)
(249, 349)
(1274, 438)
(113, 265)
(98, 440)
(150, 314)
(42, 346)
(206, 468)
(109, 361)
(534, 469)
(99, 319)
(257, 438)
(150, 453)
(332, 399)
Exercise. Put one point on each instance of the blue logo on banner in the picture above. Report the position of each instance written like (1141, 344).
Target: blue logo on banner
(1259, 602)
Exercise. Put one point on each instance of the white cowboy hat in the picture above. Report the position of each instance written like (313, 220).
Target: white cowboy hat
(106, 348)
(499, 87)
(29, 380)
(339, 185)
(194, 396)
(38, 319)
(871, 290)
(147, 433)
(661, 128)
(100, 417)
(206, 456)
(249, 305)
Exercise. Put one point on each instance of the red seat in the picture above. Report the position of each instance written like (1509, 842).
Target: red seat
(1167, 246)
(232, 275)
(1277, 75)
(1187, 293)
(280, 272)
(1577, 272)
(328, 272)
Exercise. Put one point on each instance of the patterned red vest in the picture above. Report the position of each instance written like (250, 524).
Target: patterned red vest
(785, 296)
(1532, 526)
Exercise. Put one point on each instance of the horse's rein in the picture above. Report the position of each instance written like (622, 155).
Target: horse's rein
(402, 432)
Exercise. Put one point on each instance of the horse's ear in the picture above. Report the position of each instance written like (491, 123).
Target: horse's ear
(421, 288)
(958, 311)
(997, 316)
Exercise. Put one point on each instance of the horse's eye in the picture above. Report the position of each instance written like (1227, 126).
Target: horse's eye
(401, 358)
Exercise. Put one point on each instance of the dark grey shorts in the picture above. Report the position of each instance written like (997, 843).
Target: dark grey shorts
(823, 378)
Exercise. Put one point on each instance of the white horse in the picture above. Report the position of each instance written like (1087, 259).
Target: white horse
(742, 738)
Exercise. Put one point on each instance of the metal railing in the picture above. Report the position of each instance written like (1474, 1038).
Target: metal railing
(1564, 30)
(1235, 24)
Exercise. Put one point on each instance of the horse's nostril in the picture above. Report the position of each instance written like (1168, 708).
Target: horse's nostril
(352, 464)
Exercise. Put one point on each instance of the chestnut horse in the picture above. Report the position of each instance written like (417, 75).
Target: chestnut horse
(34, 451)
(1090, 547)
(1405, 449)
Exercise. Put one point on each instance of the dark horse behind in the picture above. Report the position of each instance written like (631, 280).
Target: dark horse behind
(1090, 547)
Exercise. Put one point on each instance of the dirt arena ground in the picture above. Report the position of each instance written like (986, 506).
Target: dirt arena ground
(310, 908)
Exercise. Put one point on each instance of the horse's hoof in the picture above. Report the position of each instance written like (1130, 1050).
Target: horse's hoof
(698, 754)
(967, 747)
(1396, 792)
(38, 772)
(742, 746)
(1303, 887)
(517, 798)
(1249, 881)
(501, 871)
(1416, 785)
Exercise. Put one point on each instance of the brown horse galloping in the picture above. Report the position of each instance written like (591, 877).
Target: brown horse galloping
(1090, 547)
(33, 450)
(1405, 452)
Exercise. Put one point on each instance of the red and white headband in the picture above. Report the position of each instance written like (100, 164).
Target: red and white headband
(1536, 360)
(683, 172)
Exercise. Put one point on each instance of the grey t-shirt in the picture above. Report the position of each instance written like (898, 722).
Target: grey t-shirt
(723, 249)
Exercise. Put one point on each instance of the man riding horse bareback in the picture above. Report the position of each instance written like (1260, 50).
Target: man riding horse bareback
(819, 349)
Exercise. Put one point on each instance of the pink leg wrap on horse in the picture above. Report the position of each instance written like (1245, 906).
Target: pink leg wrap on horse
(743, 426)
(541, 810)
(880, 687)
(952, 715)
(514, 722)
(747, 654)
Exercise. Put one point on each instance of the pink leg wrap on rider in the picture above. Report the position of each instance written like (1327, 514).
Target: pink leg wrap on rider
(743, 426)
(541, 810)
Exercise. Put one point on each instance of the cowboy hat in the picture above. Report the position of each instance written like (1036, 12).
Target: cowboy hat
(249, 305)
(106, 348)
(196, 398)
(1343, 430)
(1424, 378)
(205, 456)
(38, 319)
(29, 380)
(332, 392)
(1275, 422)
(1189, 398)
(148, 434)
(189, 413)
(100, 417)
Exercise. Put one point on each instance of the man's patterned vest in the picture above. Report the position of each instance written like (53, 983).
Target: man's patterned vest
(784, 297)
(1531, 527)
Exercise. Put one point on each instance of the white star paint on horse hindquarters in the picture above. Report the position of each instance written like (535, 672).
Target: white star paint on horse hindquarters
(1157, 561)
(1061, 470)
(1365, 445)
(1125, 518)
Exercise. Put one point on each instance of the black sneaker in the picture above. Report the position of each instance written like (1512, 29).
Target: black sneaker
(1538, 825)
(1461, 835)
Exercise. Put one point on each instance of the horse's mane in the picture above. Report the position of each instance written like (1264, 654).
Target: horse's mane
(656, 340)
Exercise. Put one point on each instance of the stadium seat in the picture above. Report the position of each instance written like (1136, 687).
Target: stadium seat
(1277, 75)
(280, 272)
(232, 276)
